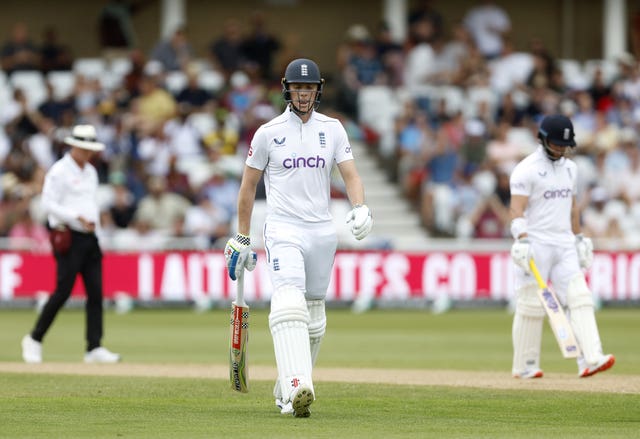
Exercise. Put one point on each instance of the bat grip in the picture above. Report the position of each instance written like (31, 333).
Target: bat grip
(536, 274)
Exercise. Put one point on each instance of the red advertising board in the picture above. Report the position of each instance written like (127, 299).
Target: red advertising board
(190, 275)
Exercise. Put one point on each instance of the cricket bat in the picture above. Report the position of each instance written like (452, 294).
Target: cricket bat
(557, 318)
(238, 368)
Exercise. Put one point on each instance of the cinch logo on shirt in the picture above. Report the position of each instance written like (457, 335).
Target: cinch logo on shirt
(557, 193)
(304, 162)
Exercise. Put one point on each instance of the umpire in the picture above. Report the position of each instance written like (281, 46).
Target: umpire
(69, 199)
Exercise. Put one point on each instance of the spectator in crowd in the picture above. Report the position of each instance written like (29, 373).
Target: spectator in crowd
(360, 67)
(19, 118)
(54, 56)
(419, 58)
(424, 10)
(193, 95)
(116, 29)
(26, 233)
(154, 106)
(19, 52)
(226, 50)
(207, 223)
(391, 55)
(53, 107)
(124, 205)
(600, 219)
(160, 209)
(174, 53)
(260, 46)
(488, 24)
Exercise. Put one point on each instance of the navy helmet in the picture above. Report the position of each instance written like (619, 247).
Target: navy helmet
(302, 71)
(556, 129)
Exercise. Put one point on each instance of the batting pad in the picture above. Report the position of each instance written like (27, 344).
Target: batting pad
(583, 319)
(317, 326)
(289, 324)
(526, 332)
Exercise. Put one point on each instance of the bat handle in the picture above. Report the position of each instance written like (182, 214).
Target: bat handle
(240, 290)
(536, 274)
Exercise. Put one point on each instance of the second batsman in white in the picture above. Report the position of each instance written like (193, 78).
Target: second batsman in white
(296, 151)
(546, 225)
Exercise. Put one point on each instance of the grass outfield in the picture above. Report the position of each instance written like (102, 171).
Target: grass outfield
(49, 405)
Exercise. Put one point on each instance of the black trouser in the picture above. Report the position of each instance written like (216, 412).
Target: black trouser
(84, 258)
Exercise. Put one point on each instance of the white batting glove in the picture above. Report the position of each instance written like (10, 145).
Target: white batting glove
(521, 253)
(584, 247)
(361, 221)
(238, 255)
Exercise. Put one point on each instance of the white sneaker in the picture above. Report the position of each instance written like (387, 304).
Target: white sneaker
(529, 374)
(101, 355)
(31, 350)
(301, 400)
(285, 407)
(605, 362)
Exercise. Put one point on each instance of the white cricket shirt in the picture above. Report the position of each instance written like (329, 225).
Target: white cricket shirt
(69, 192)
(550, 187)
(297, 159)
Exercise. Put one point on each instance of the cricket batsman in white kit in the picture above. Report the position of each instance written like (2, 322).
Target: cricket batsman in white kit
(296, 151)
(545, 223)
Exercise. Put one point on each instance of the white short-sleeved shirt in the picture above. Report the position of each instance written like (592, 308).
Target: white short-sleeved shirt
(297, 159)
(550, 187)
(69, 192)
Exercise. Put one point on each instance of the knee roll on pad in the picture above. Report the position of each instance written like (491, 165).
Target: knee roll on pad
(527, 302)
(288, 305)
(578, 293)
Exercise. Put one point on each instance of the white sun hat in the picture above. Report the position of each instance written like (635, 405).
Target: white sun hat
(84, 136)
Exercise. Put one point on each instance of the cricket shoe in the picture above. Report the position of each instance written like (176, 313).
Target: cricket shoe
(605, 362)
(301, 400)
(101, 355)
(286, 408)
(31, 350)
(529, 374)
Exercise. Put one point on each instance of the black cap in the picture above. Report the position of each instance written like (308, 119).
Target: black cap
(558, 130)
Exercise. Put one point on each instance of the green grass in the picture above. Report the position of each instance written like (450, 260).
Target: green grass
(66, 406)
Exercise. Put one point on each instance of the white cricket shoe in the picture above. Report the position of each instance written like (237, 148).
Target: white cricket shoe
(286, 408)
(101, 355)
(301, 399)
(605, 362)
(529, 374)
(31, 350)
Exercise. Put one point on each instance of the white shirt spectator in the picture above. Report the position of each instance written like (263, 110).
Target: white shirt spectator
(486, 23)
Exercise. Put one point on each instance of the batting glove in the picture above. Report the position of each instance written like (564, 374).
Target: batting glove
(361, 221)
(238, 255)
(584, 247)
(521, 253)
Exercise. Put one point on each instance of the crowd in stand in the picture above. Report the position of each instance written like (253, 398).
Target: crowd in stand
(177, 126)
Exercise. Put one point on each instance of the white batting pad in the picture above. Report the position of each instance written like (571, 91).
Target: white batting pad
(289, 323)
(583, 321)
(527, 337)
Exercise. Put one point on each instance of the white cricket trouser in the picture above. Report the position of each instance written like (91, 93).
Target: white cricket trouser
(300, 255)
(556, 264)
